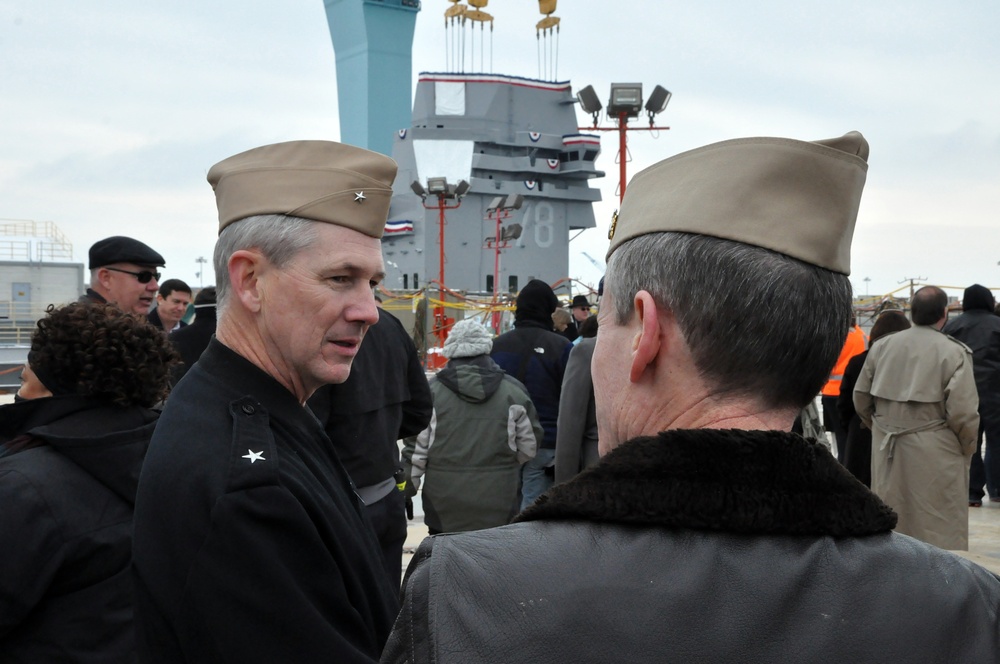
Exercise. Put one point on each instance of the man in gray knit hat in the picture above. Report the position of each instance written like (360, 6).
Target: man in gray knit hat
(483, 428)
(708, 532)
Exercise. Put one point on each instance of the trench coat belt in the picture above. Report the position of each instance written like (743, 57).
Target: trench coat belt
(889, 439)
(375, 492)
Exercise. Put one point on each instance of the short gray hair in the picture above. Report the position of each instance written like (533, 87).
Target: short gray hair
(278, 237)
(758, 323)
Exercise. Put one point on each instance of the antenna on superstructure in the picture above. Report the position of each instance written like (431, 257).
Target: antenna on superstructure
(548, 28)
(477, 15)
(456, 19)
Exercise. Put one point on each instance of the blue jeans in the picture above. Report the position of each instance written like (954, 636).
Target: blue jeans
(534, 480)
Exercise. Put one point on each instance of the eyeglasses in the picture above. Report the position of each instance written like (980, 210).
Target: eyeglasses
(143, 277)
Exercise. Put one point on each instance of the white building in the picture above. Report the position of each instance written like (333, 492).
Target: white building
(36, 270)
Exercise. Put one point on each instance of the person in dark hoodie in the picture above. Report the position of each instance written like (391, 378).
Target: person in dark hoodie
(536, 355)
(482, 429)
(979, 329)
(70, 451)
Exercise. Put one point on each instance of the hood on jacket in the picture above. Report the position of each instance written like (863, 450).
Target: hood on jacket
(108, 442)
(978, 297)
(535, 303)
(473, 379)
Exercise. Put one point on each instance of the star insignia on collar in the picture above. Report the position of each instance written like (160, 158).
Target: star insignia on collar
(359, 196)
(254, 456)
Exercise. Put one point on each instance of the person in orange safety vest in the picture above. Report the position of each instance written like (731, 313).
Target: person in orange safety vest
(856, 343)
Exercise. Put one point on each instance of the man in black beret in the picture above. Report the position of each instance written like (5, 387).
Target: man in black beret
(123, 272)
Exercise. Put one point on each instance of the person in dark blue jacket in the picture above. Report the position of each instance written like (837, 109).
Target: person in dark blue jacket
(536, 355)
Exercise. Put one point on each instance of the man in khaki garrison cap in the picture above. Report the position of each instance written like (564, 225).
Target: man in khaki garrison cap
(708, 532)
(250, 543)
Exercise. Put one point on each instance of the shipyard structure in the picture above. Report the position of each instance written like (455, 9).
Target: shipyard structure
(504, 136)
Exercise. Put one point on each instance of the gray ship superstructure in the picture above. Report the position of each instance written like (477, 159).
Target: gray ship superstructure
(503, 135)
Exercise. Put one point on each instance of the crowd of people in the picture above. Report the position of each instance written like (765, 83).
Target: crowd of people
(628, 489)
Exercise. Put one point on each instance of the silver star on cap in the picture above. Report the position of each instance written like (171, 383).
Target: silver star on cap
(255, 456)
(359, 196)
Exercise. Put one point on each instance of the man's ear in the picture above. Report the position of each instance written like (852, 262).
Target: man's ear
(648, 337)
(104, 278)
(246, 267)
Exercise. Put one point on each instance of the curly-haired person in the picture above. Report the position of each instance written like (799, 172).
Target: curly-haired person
(70, 451)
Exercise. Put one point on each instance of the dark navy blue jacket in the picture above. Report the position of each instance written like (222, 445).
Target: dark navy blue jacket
(537, 357)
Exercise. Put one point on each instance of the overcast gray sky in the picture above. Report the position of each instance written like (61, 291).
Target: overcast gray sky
(112, 111)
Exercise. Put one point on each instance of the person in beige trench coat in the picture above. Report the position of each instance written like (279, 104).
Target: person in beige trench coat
(918, 395)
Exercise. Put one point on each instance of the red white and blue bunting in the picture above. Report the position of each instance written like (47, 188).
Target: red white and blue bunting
(405, 226)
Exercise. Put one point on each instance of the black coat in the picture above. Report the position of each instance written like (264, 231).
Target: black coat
(536, 356)
(250, 544)
(153, 318)
(66, 504)
(698, 546)
(192, 340)
(385, 398)
(980, 331)
(858, 452)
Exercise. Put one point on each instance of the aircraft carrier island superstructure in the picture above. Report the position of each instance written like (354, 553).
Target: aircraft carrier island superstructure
(504, 136)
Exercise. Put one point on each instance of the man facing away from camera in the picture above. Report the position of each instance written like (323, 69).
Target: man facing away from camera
(708, 531)
(250, 542)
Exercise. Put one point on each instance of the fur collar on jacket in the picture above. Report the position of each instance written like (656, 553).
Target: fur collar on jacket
(760, 482)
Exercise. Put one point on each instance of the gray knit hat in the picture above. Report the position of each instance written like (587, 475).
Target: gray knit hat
(468, 338)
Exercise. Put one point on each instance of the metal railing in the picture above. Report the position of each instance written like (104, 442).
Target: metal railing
(16, 335)
(49, 242)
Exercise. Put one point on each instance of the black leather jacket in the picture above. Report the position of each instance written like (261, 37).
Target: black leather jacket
(698, 546)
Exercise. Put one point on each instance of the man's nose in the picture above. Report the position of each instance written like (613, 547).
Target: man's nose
(366, 309)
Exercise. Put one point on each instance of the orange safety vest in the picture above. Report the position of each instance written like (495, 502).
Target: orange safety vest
(855, 344)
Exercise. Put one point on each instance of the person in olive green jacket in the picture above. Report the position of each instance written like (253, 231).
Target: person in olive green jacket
(484, 427)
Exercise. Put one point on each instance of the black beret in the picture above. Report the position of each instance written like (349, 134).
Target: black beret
(121, 249)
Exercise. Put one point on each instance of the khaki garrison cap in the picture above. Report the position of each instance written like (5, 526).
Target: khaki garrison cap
(319, 180)
(796, 198)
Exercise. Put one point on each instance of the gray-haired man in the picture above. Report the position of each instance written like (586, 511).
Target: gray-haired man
(709, 532)
(250, 544)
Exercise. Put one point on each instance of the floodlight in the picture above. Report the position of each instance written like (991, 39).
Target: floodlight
(462, 188)
(513, 202)
(511, 232)
(418, 188)
(588, 100)
(658, 100)
(495, 204)
(437, 186)
(625, 98)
